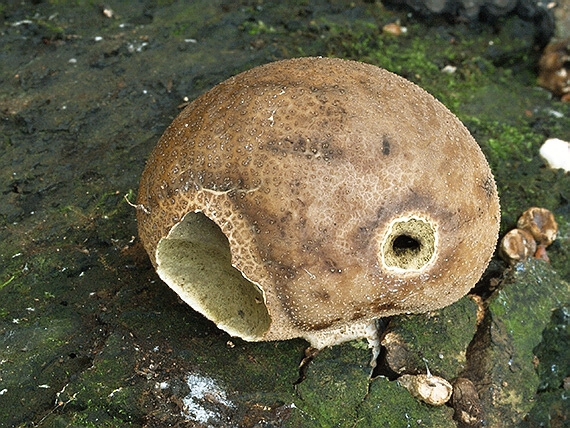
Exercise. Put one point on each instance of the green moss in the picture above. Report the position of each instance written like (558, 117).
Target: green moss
(419, 339)
(87, 420)
(514, 327)
(8, 281)
(419, 59)
(336, 384)
(257, 27)
(72, 2)
(522, 180)
(95, 394)
(390, 405)
(189, 17)
(513, 144)
(32, 360)
(553, 365)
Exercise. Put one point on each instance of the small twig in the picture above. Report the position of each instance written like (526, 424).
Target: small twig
(136, 206)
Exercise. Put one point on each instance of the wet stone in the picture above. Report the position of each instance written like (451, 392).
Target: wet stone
(502, 360)
(34, 361)
(553, 368)
(466, 403)
(109, 390)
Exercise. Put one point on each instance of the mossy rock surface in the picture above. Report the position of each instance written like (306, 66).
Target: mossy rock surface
(553, 358)
(502, 359)
(389, 404)
(436, 341)
(92, 338)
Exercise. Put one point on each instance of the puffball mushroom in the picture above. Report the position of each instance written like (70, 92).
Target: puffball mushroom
(517, 245)
(309, 197)
(430, 389)
(540, 223)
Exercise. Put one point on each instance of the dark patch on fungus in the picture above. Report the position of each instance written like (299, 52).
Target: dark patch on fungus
(303, 146)
(321, 295)
(332, 266)
(489, 187)
(385, 146)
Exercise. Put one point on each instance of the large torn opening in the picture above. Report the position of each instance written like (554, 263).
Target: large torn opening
(195, 261)
(409, 244)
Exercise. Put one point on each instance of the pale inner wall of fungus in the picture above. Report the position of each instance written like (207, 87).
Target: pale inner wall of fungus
(194, 259)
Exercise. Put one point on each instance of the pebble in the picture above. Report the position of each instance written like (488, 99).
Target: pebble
(556, 153)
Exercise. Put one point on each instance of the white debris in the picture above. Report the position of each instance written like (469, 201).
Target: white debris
(136, 46)
(449, 69)
(162, 385)
(555, 113)
(113, 392)
(556, 153)
(108, 12)
(25, 21)
(205, 396)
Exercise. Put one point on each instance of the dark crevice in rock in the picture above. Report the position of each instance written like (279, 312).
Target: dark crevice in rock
(383, 368)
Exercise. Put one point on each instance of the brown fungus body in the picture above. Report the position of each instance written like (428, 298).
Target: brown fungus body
(517, 245)
(540, 223)
(309, 197)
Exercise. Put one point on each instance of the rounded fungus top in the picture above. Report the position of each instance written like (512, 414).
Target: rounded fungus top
(308, 197)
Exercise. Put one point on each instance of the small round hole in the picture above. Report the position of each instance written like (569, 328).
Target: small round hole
(409, 245)
(405, 243)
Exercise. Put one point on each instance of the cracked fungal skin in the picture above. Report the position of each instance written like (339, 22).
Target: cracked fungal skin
(346, 193)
